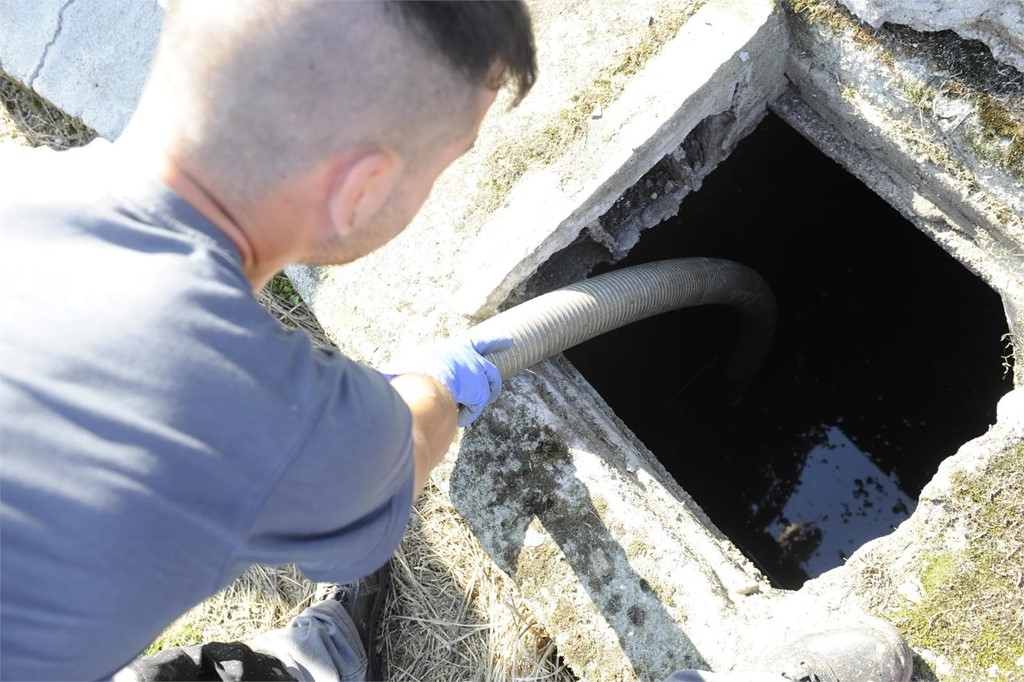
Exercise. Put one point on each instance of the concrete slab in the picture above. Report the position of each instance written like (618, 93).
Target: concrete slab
(28, 28)
(90, 59)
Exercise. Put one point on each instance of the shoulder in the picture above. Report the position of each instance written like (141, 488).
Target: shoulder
(34, 173)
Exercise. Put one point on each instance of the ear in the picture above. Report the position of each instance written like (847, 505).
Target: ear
(361, 185)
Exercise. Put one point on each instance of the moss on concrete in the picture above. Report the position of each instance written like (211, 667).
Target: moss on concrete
(955, 70)
(834, 17)
(997, 121)
(995, 118)
(971, 610)
(552, 449)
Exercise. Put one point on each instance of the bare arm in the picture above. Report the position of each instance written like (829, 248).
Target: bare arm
(433, 421)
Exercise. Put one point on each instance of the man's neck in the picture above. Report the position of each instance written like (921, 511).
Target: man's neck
(153, 163)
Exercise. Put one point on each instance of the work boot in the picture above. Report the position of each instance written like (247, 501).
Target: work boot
(363, 600)
(861, 650)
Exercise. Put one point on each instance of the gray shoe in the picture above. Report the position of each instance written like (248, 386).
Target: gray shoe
(861, 650)
(363, 600)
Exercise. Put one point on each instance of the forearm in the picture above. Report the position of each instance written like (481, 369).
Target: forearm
(433, 421)
(446, 385)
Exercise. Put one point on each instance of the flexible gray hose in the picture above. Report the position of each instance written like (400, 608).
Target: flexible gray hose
(561, 319)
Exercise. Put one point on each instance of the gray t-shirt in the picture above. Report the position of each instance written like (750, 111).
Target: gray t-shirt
(160, 431)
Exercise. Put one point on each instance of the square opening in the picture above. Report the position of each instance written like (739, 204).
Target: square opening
(887, 356)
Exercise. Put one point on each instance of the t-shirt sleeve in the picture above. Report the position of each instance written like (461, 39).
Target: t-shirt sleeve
(342, 503)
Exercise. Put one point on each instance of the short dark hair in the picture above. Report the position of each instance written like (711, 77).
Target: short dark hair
(473, 35)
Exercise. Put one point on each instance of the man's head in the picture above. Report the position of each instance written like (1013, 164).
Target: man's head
(355, 106)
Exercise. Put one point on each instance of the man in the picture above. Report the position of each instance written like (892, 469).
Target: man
(160, 432)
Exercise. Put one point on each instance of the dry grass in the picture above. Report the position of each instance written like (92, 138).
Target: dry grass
(451, 615)
(280, 298)
(261, 599)
(26, 118)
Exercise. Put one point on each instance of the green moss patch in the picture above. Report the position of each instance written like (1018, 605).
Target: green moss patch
(972, 609)
(997, 122)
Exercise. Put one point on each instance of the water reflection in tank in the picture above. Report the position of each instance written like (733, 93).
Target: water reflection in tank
(840, 501)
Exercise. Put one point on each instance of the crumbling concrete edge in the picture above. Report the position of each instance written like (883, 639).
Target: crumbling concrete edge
(559, 492)
(655, 198)
(997, 23)
(728, 57)
(974, 215)
(936, 525)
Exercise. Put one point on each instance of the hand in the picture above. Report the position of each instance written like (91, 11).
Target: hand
(459, 364)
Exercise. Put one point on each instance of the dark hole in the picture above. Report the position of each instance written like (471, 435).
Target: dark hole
(887, 357)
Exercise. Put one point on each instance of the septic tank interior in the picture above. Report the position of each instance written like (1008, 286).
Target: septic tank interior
(887, 357)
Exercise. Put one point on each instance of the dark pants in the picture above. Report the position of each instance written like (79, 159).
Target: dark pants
(231, 662)
(320, 644)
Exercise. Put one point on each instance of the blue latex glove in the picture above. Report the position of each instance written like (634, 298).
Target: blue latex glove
(459, 364)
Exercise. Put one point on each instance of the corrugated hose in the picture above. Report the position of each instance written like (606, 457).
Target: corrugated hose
(561, 319)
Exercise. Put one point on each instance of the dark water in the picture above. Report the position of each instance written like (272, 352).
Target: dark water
(887, 357)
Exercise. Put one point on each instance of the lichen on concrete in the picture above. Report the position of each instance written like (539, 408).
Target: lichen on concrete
(623, 569)
(969, 610)
(951, 577)
(552, 531)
